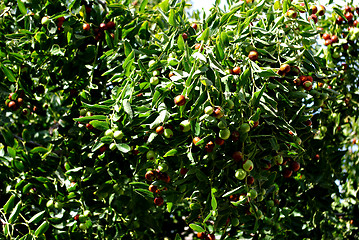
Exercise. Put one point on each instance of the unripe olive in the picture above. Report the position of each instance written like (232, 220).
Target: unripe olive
(45, 20)
(168, 133)
(118, 135)
(109, 133)
(208, 110)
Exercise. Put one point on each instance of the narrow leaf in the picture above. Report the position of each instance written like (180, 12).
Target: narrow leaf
(21, 6)
(196, 227)
(8, 73)
(180, 42)
(42, 229)
(128, 60)
(9, 205)
(100, 125)
(339, 12)
(170, 153)
(8, 137)
(144, 192)
(172, 18)
(15, 212)
(204, 35)
(257, 96)
(213, 201)
(143, 5)
(127, 108)
(37, 217)
(234, 191)
(89, 118)
(39, 150)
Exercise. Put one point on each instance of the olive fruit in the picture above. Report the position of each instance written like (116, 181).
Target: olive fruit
(185, 125)
(248, 165)
(180, 100)
(240, 174)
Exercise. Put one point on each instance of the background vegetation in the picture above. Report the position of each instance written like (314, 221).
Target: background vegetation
(130, 120)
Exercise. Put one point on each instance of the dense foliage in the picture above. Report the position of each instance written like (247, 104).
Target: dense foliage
(132, 120)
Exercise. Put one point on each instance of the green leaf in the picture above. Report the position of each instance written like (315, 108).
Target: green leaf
(180, 42)
(109, 40)
(204, 35)
(311, 59)
(11, 151)
(240, 202)
(18, 165)
(8, 137)
(26, 237)
(257, 96)
(277, 21)
(127, 107)
(164, 115)
(6, 229)
(143, 5)
(42, 179)
(97, 108)
(57, 51)
(201, 176)
(123, 147)
(27, 188)
(172, 18)
(139, 185)
(42, 228)
(277, 5)
(226, 16)
(171, 153)
(152, 137)
(2, 150)
(285, 6)
(219, 48)
(208, 216)
(128, 48)
(89, 118)
(21, 6)
(196, 109)
(15, 213)
(106, 139)
(274, 144)
(255, 117)
(155, 98)
(144, 192)
(74, 170)
(9, 74)
(234, 191)
(37, 217)
(298, 94)
(100, 125)
(178, 237)
(196, 227)
(268, 73)
(245, 77)
(339, 12)
(169, 206)
(143, 32)
(129, 60)
(213, 201)
(190, 77)
(245, 24)
(164, 5)
(39, 150)
(306, 5)
(9, 205)
(143, 70)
